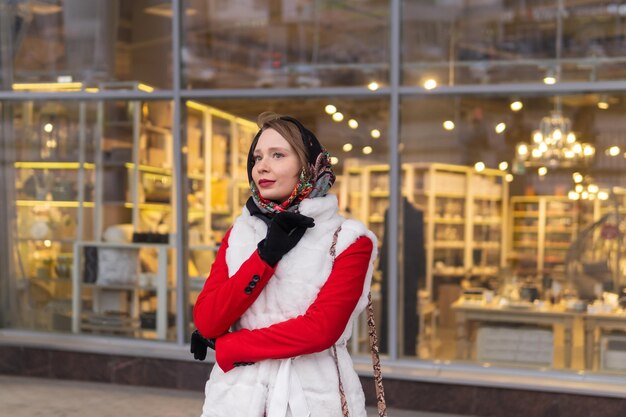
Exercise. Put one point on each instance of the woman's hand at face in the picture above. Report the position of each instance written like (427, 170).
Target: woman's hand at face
(283, 234)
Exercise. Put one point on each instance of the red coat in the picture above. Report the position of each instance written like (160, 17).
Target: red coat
(223, 300)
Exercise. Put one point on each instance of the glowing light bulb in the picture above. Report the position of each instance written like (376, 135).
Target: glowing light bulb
(503, 166)
(508, 177)
(614, 150)
(430, 84)
(375, 133)
(517, 105)
(522, 149)
(48, 127)
(334, 160)
(573, 195)
(347, 147)
(338, 116)
(330, 109)
(448, 125)
(367, 150)
(479, 166)
(577, 177)
(500, 127)
(542, 171)
(373, 86)
(353, 123)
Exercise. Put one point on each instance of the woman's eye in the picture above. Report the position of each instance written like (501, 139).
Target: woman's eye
(278, 155)
(256, 158)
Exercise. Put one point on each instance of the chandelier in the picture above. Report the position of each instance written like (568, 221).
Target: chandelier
(555, 145)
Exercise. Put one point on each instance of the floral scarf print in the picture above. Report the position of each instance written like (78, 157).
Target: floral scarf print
(316, 184)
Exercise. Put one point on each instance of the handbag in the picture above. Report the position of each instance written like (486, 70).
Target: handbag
(373, 338)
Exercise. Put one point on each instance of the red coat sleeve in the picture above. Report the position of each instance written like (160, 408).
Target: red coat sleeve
(224, 299)
(318, 329)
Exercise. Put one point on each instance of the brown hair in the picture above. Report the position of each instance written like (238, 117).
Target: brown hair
(289, 131)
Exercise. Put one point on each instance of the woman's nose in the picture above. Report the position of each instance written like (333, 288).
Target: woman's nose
(261, 166)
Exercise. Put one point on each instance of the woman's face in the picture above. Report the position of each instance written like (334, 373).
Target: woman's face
(276, 166)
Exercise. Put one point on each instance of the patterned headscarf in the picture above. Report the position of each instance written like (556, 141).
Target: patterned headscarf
(315, 184)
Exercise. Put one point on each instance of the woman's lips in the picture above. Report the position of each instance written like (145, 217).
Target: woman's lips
(265, 183)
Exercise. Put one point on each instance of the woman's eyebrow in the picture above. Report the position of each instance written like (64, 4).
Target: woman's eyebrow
(274, 148)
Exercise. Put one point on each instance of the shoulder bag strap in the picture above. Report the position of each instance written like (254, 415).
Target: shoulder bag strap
(378, 378)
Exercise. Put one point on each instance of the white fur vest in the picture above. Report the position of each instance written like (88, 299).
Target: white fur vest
(254, 391)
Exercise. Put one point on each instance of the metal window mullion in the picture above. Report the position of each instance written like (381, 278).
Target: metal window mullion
(180, 199)
(394, 172)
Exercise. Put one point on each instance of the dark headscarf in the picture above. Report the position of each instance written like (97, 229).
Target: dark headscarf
(316, 183)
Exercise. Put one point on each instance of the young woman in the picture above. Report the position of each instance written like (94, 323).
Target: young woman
(277, 304)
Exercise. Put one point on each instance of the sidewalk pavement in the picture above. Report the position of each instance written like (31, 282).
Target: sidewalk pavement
(36, 397)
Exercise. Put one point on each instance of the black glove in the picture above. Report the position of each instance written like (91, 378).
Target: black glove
(199, 345)
(283, 233)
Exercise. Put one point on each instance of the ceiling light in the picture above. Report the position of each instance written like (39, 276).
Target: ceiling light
(48, 127)
(542, 171)
(330, 109)
(338, 116)
(517, 105)
(508, 177)
(347, 147)
(375, 133)
(573, 195)
(614, 150)
(500, 127)
(367, 150)
(479, 166)
(603, 195)
(353, 123)
(448, 125)
(334, 160)
(503, 166)
(430, 84)
(373, 86)
(577, 177)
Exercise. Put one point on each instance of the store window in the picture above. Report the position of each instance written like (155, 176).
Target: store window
(477, 42)
(355, 133)
(519, 201)
(85, 44)
(93, 217)
(279, 44)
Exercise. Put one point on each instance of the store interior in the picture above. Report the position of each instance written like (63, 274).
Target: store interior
(502, 258)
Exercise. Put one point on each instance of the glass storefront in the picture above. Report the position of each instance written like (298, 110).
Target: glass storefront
(506, 250)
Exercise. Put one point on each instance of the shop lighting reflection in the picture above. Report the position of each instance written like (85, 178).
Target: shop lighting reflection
(577, 177)
(613, 151)
(503, 166)
(367, 150)
(430, 84)
(338, 116)
(603, 195)
(500, 127)
(48, 127)
(347, 147)
(573, 195)
(334, 160)
(375, 133)
(373, 86)
(517, 105)
(353, 123)
(479, 166)
(542, 171)
(330, 109)
(509, 177)
(448, 125)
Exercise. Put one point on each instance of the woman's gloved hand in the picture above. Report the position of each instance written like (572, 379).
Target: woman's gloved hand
(283, 233)
(199, 345)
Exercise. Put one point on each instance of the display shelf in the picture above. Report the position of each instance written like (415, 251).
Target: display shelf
(540, 224)
(460, 206)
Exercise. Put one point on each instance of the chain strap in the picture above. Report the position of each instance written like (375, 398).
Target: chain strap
(373, 338)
